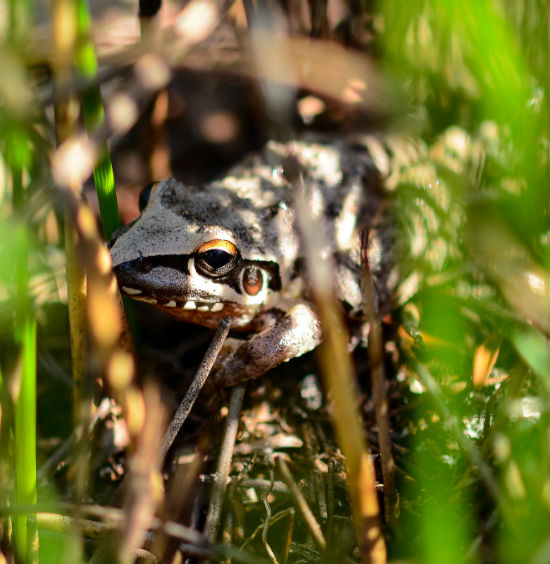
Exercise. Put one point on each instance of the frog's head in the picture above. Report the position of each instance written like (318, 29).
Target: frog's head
(199, 255)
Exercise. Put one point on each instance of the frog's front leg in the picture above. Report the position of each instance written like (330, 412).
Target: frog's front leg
(297, 332)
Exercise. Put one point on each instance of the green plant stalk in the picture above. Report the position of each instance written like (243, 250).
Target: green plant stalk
(25, 439)
(104, 181)
(6, 443)
(94, 116)
(17, 158)
(25, 530)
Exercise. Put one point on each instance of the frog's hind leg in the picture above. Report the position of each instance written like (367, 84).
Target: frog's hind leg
(297, 332)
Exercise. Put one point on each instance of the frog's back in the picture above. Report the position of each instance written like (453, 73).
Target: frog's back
(344, 190)
(232, 246)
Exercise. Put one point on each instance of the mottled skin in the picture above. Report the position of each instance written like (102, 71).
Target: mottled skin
(159, 257)
(247, 218)
(232, 247)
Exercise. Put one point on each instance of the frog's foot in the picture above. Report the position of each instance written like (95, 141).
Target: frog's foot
(296, 333)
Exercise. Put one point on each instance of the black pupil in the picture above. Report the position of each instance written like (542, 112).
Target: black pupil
(216, 258)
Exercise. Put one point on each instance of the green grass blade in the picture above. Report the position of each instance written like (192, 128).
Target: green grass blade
(25, 439)
(533, 347)
(94, 115)
(104, 180)
(25, 531)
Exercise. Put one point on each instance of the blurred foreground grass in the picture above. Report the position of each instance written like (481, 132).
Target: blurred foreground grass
(470, 343)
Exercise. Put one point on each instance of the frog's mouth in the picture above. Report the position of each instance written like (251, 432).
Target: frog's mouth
(207, 314)
(188, 305)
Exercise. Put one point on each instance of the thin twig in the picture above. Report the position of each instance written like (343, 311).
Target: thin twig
(267, 521)
(194, 389)
(259, 483)
(317, 482)
(289, 512)
(177, 494)
(377, 373)
(330, 500)
(65, 524)
(90, 529)
(224, 463)
(289, 533)
(302, 504)
(112, 518)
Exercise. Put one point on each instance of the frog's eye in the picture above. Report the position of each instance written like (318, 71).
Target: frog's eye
(216, 258)
(145, 194)
(253, 280)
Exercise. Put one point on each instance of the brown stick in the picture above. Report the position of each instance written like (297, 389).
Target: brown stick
(376, 360)
(224, 463)
(194, 389)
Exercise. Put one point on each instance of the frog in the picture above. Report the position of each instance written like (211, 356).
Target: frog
(232, 248)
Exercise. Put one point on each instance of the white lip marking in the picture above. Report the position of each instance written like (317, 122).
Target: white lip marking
(149, 300)
(131, 291)
(171, 303)
(190, 305)
(217, 307)
(203, 308)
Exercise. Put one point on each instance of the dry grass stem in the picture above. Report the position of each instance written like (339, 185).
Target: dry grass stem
(338, 375)
(142, 487)
(267, 521)
(65, 524)
(224, 463)
(76, 298)
(179, 491)
(54, 517)
(64, 41)
(159, 159)
(378, 379)
(144, 482)
(301, 503)
(196, 385)
(273, 519)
